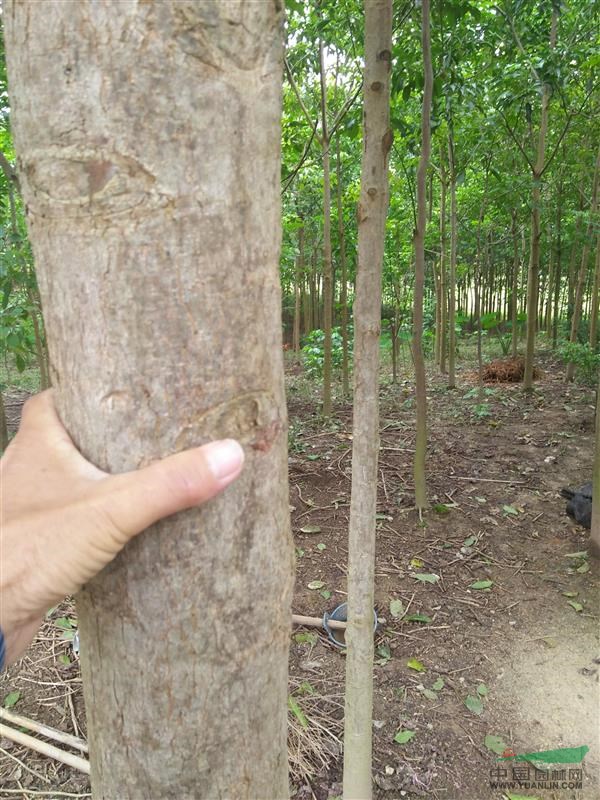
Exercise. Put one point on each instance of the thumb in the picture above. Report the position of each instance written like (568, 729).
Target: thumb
(136, 500)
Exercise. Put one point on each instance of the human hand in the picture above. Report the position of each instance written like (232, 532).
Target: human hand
(63, 519)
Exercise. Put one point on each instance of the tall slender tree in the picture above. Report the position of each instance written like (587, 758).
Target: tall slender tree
(583, 269)
(595, 532)
(419, 247)
(453, 257)
(537, 171)
(594, 305)
(372, 211)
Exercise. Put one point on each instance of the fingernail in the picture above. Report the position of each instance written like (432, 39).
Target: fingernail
(224, 458)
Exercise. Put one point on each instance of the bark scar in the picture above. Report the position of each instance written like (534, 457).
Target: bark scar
(252, 418)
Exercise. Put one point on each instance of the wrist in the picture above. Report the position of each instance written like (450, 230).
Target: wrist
(16, 640)
(18, 622)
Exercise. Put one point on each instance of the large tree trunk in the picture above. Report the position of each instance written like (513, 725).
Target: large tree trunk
(372, 211)
(157, 239)
(419, 245)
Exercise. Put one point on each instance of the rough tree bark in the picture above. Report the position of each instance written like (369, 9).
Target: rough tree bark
(148, 145)
(372, 211)
(419, 245)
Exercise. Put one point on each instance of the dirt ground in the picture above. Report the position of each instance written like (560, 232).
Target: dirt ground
(517, 658)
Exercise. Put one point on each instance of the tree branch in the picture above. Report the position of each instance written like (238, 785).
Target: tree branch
(344, 109)
(519, 44)
(294, 86)
(516, 141)
(8, 169)
(300, 163)
(566, 128)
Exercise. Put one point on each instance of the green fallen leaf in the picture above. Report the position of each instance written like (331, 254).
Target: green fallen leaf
(415, 664)
(310, 529)
(426, 577)
(316, 585)
(430, 694)
(325, 593)
(313, 456)
(64, 623)
(64, 659)
(384, 653)
(487, 584)
(495, 744)
(570, 594)
(441, 508)
(417, 563)
(474, 704)
(321, 546)
(580, 554)
(304, 637)
(402, 737)
(585, 567)
(577, 606)
(510, 510)
(297, 711)
(438, 685)
(11, 699)
(470, 540)
(305, 688)
(299, 552)
(396, 608)
(417, 618)
(482, 690)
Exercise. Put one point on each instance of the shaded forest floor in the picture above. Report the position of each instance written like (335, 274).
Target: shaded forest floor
(524, 648)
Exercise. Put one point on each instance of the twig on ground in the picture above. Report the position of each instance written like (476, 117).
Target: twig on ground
(44, 730)
(21, 764)
(45, 749)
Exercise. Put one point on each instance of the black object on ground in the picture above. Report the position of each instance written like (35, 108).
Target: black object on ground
(580, 504)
